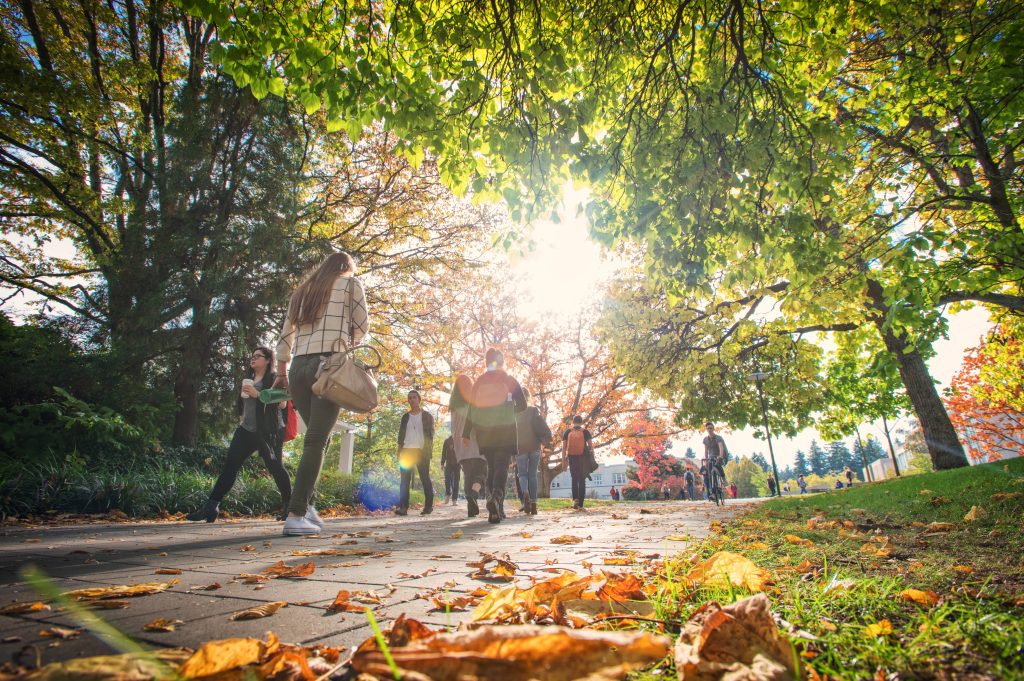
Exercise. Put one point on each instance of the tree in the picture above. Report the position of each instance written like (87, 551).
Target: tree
(986, 397)
(690, 454)
(747, 476)
(845, 167)
(654, 467)
(801, 466)
(818, 459)
(761, 462)
(838, 457)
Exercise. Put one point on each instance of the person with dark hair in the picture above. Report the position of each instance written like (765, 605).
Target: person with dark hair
(452, 474)
(415, 448)
(496, 399)
(259, 430)
(575, 442)
(467, 451)
(531, 432)
(326, 313)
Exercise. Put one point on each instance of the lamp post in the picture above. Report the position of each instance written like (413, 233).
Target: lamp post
(759, 377)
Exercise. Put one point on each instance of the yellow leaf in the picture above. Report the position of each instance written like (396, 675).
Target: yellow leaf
(103, 592)
(939, 527)
(880, 628)
(457, 534)
(760, 545)
(259, 612)
(926, 598)
(964, 569)
(793, 539)
(248, 547)
(726, 567)
(677, 537)
(567, 539)
(975, 513)
(215, 657)
(526, 535)
(826, 625)
(19, 608)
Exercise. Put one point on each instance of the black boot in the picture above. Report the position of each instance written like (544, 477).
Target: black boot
(501, 507)
(492, 509)
(472, 508)
(533, 507)
(208, 512)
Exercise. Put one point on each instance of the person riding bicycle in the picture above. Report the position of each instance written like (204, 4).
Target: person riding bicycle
(715, 451)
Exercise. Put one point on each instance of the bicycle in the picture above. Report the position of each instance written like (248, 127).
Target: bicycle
(716, 488)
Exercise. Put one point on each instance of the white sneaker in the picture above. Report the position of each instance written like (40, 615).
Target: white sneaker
(314, 517)
(299, 526)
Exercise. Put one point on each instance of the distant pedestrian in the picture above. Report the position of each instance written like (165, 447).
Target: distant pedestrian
(786, 488)
(665, 491)
(327, 311)
(260, 429)
(734, 490)
(689, 479)
(415, 448)
(771, 486)
(802, 484)
(450, 466)
(532, 433)
(614, 493)
(839, 483)
(467, 452)
(849, 477)
(496, 399)
(575, 442)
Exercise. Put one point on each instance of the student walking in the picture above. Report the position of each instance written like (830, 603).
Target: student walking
(688, 478)
(531, 432)
(328, 309)
(415, 448)
(497, 398)
(771, 486)
(260, 429)
(450, 466)
(849, 477)
(467, 451)
(802, 484)
(575, 442)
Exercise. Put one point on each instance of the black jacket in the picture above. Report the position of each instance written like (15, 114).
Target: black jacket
(428, 431)
(269, 423)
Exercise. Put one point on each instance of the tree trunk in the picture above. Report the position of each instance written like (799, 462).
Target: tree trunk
(195, 362)
(546, 474)
(940, 437)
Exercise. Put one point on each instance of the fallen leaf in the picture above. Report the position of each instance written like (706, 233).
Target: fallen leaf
(526, 535)
(964, 569)
(259, 612)
(452, 602)
(678, 537)
(760, 545)
(162, 624)
(827, 625)
(739, 641)
(60, 632)
(339, 552)
(840, 585)
(793, 539)
(104, 592)
(939, 527)
(19, 608)
(248, 547)
(457, 534)
(106, 605)
(517, 653)
(725, 568)
(975, 513)
(208, 587)
(1003, 496)
(168, 571)
(567, 539)
(880, 628)
(408, 575)
(281, 570)
(342, 603)
(127, 667)
(215, 657)
(925, 598)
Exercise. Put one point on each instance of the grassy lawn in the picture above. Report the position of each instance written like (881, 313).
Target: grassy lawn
(843, 562)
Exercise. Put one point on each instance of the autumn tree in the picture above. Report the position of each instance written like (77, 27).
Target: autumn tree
(654, 467)
(986, 397)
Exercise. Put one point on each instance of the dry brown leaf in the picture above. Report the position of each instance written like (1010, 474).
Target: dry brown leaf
(457, 534)
(1003, 496)
(343, 603)
(518, 653)
(162, 624)
(215, 657)
(963, 569)
(106, 605)
(168, 571)
(739, 641)
(760, 545)
(60, 632)
(280, 570)
(104, 592)
(678, 537)
(336, 552)
(447, 603)
(409, 575)
(925, 598)
(725, 568)
(248, 547)
(21, 607)
(208, 587)
(620, 516)
(939, 527)
(567, 539)
(526, 535)
(975, 513)
(793, 539)
(127, 667)
(259, 612)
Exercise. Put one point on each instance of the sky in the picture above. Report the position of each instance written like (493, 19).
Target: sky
(566, 271)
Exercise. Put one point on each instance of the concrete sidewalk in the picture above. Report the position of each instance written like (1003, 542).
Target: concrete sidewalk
(384, 552)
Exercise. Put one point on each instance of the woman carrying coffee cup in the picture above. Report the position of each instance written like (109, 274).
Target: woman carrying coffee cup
(328, 309)
(259, 430)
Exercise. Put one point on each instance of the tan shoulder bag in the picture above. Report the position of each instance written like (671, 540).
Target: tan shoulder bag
(342, 379)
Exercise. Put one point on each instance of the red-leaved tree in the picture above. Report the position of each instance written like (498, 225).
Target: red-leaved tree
(986, 397)
(654, 468)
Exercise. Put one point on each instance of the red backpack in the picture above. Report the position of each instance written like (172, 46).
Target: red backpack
(576, 443)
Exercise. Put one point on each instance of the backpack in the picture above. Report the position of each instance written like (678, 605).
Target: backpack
(576, 442)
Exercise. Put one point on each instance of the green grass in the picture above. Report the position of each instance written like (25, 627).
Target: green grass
(974, 631)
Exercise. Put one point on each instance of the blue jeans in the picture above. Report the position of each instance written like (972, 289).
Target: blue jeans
(526, 466)
(451, 482)
(689, 490)
(420, 465)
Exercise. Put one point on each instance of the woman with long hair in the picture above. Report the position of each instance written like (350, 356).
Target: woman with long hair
(467, 453)
(259, 430)
(327, 309)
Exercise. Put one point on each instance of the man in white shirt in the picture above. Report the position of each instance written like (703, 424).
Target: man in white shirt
(415, 446)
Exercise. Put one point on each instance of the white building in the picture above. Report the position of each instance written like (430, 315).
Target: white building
(598, 487)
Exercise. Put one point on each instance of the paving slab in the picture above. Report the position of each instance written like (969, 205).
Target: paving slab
(403, 558)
